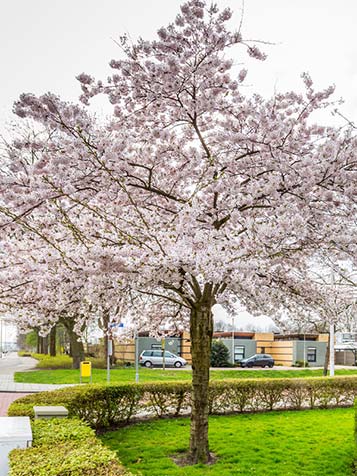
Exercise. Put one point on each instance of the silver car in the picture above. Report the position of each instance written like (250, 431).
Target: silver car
(151, 358)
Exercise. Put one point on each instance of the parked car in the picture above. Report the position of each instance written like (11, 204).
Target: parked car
(258, 360)
(151, 358)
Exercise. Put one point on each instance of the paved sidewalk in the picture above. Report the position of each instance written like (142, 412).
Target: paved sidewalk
(6, 399)
(12, 363)
(7, 384)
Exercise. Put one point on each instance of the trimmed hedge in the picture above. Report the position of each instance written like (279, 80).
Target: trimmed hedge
(64, 447)
(102, 406)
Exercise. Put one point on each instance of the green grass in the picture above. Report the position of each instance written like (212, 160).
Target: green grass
(305, 443)
(156, 375)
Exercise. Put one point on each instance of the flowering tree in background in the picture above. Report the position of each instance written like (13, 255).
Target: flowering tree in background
(332, 302)
(43, 289)
(193, 193)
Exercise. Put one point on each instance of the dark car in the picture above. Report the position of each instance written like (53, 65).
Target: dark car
(258, 360)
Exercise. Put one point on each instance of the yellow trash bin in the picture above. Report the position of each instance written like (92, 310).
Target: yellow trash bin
(85, 370)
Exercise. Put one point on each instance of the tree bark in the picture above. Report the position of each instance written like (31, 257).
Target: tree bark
(53, 342)
(76, 345)
(45, 345)
(112, 358)
(38, 347)
(105, 328)
(327, 357)
(201, 330)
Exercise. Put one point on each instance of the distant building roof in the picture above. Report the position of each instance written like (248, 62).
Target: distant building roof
(296, 336)
(237, 334)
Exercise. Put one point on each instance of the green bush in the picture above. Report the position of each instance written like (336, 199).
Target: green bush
(102, 406)
(99, 405)
(219, 354)
(301, 363)
(64, 447)
(57, 430)
(97, 363)
(24, 353)
(63, 361)
(48, 362)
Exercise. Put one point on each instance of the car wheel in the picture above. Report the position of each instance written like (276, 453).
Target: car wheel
(271, 366)
(148, 364)
(177, 365)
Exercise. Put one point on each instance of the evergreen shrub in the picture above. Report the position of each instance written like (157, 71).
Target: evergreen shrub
(219, 354)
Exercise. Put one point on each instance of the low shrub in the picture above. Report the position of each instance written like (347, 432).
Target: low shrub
(103, 406)
(58, 430)
(48, 362)
(63, 361)
(97, 363)
(64, 447)
(301, 363)
(24, 353)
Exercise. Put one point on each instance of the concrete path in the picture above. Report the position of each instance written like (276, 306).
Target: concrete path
(10, 390)
(12, 363)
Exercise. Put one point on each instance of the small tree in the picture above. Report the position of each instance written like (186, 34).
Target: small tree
(219, 354)
(31, 340)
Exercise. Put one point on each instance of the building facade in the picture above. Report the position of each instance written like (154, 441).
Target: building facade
(285, 349)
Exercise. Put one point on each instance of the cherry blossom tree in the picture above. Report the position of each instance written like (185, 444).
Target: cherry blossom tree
(193, 193)
(42, 290)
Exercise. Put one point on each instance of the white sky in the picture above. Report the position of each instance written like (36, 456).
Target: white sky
(241, 319)
(45, 44)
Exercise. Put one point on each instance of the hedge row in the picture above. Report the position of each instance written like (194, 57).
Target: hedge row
(109, 405)
(64, 447)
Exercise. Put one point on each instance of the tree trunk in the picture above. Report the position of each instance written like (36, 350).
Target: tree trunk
(76, 345)
(77, 351)
(45, 345)
(106, 345)
(53, 342)
(201, 329)
(112, 358)
(38, 347)
(327, 357)
(105, 328)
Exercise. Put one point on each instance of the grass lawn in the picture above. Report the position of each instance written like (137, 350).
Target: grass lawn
(154, 375)
(305, 443)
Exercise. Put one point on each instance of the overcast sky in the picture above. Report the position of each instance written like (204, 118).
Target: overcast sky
(45, 44)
